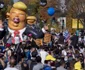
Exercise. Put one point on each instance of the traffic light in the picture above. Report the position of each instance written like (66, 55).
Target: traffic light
(43, 2)
(1, 5)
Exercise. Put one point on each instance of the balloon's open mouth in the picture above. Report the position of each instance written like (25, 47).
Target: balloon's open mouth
(16, 20)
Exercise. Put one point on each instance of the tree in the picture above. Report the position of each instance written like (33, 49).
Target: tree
(76, 9)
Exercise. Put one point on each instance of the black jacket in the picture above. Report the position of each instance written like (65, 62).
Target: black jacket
(35, 31)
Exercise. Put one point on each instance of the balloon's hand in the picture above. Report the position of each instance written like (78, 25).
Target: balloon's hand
(46, 27)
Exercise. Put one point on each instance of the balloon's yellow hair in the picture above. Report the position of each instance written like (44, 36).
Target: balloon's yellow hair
(20, 5)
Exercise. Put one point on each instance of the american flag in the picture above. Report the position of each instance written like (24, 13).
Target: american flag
(66, 34)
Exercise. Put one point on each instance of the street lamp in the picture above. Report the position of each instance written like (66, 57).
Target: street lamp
(43, 2)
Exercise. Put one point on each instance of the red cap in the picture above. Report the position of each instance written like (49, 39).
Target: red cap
(8, 45)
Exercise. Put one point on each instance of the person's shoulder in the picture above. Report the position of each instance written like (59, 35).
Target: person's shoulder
(14, 69)
(47, 68)
(60, 68)
(8, 68)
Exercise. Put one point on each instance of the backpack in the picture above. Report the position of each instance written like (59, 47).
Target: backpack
(46, 68)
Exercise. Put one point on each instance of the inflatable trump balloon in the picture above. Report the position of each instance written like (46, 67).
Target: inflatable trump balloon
(33, 29)
(51, 11)
(17, 27)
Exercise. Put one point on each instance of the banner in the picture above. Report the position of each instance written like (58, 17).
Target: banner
(39, 42)
(47, 38)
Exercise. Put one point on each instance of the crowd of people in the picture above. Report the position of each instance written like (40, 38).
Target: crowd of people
(19, 50)
(58, 54)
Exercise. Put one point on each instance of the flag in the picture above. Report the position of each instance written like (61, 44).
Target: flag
(66, 34)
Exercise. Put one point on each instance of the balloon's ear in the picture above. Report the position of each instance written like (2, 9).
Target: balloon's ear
(7, 14)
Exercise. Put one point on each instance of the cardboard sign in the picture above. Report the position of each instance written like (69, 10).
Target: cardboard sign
(39, 42)
(47, 38)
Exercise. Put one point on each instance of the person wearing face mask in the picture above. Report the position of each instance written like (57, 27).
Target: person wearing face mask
(12, 64)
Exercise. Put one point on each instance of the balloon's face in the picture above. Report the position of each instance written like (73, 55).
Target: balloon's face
(16, 20)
